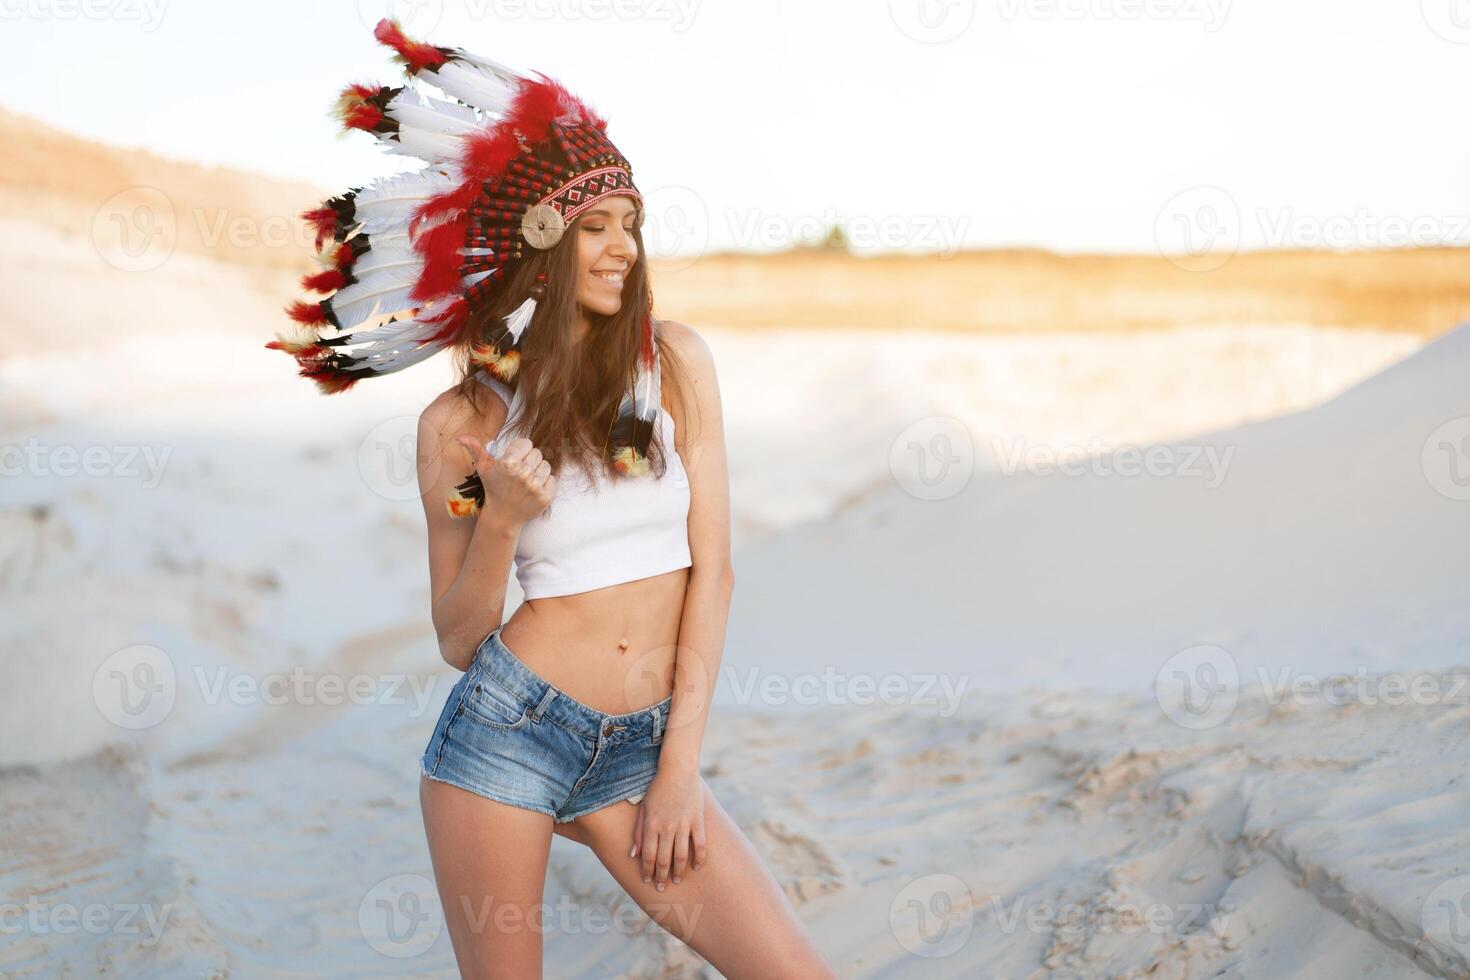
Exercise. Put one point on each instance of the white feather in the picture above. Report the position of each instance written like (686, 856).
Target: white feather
(476, 86)
(388, 363)
(475, 277)
(507, 74)
(520, 318)
(381, 292)
(409, 108)
(428, 128)
(391, 335)
(387, 203)
(385, 253)
(415, 143)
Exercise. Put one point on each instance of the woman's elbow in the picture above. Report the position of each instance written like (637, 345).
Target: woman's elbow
(722, 574)
(453, 648)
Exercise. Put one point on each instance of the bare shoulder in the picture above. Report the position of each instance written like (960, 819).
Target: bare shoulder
(696, 410)
(691, 347)
(451, 414)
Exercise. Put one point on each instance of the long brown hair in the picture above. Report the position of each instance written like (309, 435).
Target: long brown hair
(571, 402)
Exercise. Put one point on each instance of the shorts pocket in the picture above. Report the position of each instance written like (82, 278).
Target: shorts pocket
(489, 703)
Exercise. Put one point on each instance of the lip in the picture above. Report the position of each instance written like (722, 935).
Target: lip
(599, 274)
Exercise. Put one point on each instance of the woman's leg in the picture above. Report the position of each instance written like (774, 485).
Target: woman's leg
(490, 867)
(731, 911)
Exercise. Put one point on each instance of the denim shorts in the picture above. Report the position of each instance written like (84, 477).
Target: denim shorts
(507, 734)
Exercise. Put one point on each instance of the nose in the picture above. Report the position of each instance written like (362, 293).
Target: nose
(623, 246)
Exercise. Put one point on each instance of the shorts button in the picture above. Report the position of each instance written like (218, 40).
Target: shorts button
(607, 729)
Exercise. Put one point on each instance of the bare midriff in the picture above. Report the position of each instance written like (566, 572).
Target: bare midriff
(613, 649)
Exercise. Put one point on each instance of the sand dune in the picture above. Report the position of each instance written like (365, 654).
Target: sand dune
(1320, 539)
(953, 723)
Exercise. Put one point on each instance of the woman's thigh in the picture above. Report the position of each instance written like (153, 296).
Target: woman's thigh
(490, 863)
(731, 911)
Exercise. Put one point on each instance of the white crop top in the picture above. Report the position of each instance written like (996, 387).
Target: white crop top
(590, 538)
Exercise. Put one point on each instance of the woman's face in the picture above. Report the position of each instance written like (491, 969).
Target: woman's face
(606, 252)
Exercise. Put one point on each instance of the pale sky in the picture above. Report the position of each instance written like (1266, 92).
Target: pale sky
(1075, 125)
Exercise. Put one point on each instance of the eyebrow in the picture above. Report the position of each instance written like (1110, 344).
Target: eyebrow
(608, 214)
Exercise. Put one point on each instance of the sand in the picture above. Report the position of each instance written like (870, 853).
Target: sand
(980, 720)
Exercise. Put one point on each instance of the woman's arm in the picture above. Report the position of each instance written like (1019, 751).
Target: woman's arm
(469, 558)
(701, 445)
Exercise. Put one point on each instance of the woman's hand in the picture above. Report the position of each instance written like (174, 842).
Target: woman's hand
(670, 826)
(518, 485)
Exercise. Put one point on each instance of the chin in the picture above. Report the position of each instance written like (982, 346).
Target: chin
(602, 306)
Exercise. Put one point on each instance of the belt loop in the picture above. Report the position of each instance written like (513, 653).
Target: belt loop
(545, 700)
(658, 726)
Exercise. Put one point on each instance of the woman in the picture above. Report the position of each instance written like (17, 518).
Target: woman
(583, 714)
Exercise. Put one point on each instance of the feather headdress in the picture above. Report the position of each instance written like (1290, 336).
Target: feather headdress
(511, 160)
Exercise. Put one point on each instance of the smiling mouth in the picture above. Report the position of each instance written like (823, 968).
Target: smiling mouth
(611, 278)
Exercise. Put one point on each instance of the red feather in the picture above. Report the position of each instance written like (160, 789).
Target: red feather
(329, 380)
(353, 108)
(453, 317)
(440, 247)
(324, 220)
(415, 55)
(484, 157)
(324, 282)
(310, 314)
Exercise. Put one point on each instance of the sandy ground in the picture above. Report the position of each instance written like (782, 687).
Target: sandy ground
(982, 716)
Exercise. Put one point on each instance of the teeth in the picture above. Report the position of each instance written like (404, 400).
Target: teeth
(609, 276)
